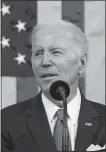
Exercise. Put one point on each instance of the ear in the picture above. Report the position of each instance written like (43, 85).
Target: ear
(83, 61)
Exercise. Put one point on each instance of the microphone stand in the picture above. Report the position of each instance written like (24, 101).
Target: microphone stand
(65, 136)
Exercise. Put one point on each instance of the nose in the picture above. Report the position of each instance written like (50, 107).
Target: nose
(46, 60)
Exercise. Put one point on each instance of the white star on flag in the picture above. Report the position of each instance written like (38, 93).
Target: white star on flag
(5, 42)
(20, 26)
(20, 58)
(5, 9)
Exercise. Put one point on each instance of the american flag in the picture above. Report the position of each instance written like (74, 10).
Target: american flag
(18, 20)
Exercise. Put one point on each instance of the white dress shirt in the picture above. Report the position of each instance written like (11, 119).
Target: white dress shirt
(73, 108)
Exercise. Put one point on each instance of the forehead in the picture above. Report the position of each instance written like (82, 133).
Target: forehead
(52, 34)
(52, 31)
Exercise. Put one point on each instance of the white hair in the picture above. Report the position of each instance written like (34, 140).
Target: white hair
(75, 34)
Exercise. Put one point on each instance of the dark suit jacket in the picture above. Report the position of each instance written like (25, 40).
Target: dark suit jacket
(25, 127)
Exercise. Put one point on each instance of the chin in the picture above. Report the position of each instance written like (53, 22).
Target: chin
(45, 87)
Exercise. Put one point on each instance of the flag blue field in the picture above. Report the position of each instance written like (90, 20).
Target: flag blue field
(18, 20)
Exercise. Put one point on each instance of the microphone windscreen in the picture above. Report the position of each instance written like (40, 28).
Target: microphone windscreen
(54, 89)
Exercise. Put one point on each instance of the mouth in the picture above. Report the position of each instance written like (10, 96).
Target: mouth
(47, 76)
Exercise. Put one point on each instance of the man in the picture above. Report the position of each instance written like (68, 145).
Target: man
(59, 52)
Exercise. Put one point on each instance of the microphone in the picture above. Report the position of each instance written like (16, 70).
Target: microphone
(59, 89)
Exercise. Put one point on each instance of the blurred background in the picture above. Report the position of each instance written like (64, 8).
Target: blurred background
(18, 19)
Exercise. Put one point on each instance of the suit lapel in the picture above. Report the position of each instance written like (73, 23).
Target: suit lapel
(39, 127)
(88, 125)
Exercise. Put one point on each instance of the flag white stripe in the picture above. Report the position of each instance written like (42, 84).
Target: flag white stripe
(48, 11)
(9, 91)
(95, 31)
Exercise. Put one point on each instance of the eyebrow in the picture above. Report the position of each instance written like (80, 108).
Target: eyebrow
(50, 48)
(37, 47)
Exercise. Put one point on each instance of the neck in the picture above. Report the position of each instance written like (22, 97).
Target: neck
(73, 93)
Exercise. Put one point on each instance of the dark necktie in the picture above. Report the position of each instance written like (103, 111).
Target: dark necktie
(58, 131)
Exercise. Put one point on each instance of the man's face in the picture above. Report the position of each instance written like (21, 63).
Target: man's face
(54, 57)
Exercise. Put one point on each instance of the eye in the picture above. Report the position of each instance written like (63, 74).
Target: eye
(57, 51)
(38, 53)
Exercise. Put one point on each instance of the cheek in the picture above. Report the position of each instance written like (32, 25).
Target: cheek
(74, 62)
(34, 65)
(70, 71)
(71, 64)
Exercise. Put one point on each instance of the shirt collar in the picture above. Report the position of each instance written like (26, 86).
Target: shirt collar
(50, 107)
(73, 107)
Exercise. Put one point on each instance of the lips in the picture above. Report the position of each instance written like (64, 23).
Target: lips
(47, 75)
